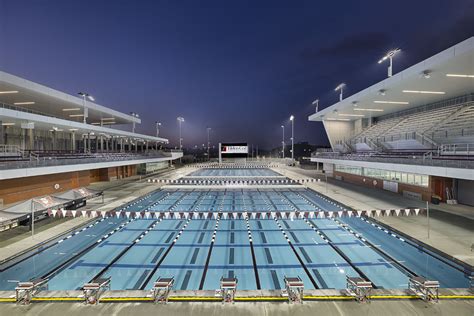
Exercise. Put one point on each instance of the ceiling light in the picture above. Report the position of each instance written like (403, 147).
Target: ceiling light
(382, 92)
(423, 92)
(355, 103)
(23, 103)
(7, 124)
(96, 123)
(459, 76)
(426, 74)
(342, 114)
(108, 118)
(391, 102)
(372, 110)
(71, 109)
(337, 119)
(76, 115)
(8, 92)
(73, 129)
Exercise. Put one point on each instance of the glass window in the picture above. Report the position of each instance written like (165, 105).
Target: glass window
(417, 179)
(404, 178)
(425, 181)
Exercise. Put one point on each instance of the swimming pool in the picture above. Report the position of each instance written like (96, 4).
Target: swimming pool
(234, 172)
(134, 252)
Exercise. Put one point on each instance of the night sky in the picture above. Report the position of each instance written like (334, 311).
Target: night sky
(239, 67)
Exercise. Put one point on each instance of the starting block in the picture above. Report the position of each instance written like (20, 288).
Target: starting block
(358, 288)
(162, 288)
(227, 289)
(425, 289)
(26, 290)
(294, 288)
(93, 290)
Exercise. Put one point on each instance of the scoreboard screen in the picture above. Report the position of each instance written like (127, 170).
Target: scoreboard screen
(234, 150)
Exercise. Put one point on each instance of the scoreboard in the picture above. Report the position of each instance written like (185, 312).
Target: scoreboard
(233, 150)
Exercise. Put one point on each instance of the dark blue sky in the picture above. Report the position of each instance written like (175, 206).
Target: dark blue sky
(240, 67)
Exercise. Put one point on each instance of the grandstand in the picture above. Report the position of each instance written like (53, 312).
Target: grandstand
(51, 142)
(412, 133)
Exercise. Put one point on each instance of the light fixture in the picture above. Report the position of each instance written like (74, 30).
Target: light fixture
(7, 124)
(71, 109)
(76, 115)
(355, 103)
(340, 88)
(337, 119)
(423, 92)
(96, 123)
(459, 76)
(86, 95)
(355, 115)
(316, 104)
(391, 102)
(292, 118)
(73, 129)
(108, 118)
(8, 92)
(370, 110)
(24, 103)
(389, 56)
(382, 92)
(426, 74)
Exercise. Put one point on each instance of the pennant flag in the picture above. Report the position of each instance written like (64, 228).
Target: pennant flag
(53, 211)
(397, 212)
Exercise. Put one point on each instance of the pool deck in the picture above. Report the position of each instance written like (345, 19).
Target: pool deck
(242, 306)
(451, 227)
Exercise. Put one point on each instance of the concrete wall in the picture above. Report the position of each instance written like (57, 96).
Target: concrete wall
(338, 131)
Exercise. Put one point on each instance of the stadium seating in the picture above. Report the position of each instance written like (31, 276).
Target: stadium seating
(420, 129)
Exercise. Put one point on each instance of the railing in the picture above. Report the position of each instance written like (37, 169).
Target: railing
(84, 159)
(9, 150)
(410, 160)
(456, 149)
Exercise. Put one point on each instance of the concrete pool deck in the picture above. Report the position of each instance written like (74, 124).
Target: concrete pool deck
(377, 306)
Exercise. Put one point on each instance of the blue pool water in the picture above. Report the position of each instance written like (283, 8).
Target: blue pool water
(135, 252)
(217, 172)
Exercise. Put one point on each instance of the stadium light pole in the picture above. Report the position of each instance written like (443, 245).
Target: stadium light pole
(208, 143)
(283, 142)
(316, 104)
(85, 96)
(340, 88)
(292, 119)
(389, 56)
(133, 122)
(157, 124)
(180, 121)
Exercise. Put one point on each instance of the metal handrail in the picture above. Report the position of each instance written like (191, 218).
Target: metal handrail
(412, 160)
(86, 159)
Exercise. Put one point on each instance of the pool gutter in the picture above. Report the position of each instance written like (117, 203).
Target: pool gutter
(242, 296)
